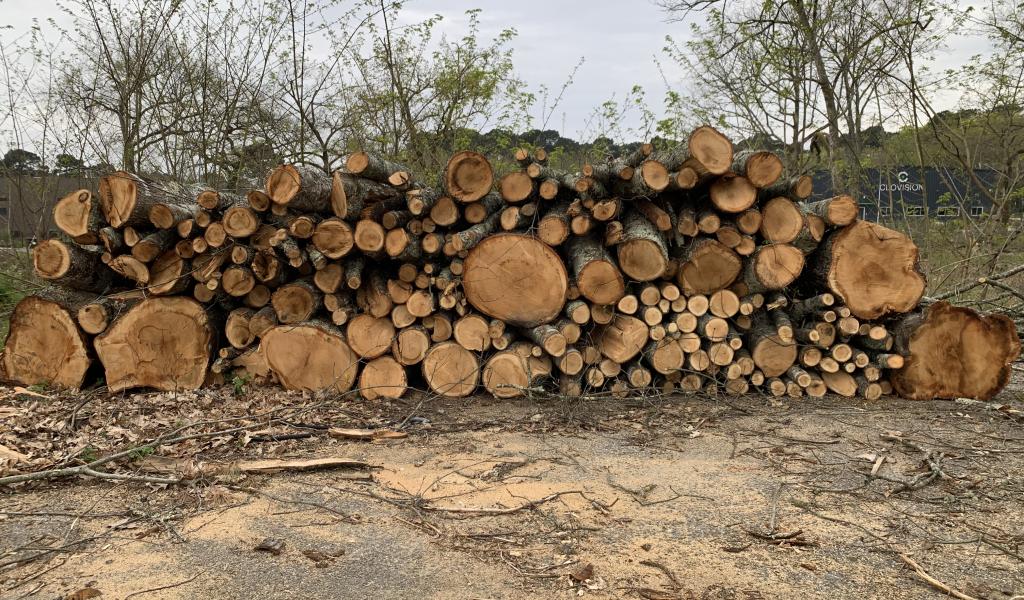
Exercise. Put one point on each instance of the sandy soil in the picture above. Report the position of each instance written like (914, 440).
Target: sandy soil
(656, 498)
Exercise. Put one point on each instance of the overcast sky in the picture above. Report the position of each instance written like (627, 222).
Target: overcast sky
(619, 41)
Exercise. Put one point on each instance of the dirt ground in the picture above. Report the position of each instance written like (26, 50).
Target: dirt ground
(657, 498)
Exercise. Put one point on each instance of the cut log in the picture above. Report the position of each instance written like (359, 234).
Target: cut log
(873, 269)
(451, 370)
(411, 345)
(761, 167)
(642, 253)
(622, 339)
(70, 265)
(382, 377)
(547, 337)
(240, 221)
(374, 167)
(44, 345)
(781, 220)
(798, 187)
(369, 236)
(369, 336)
(126, 199)
(732, 193)
(297, 301)
(77, 215)
(515, 278)
(350, 194)
(334, 237)
(310, 356)
(594, 272)
(711, 149)
(665, 356)
(168, 275)
(836, 212)
(770, 353)
(708, 266)
(954, 352)
(219, 201)
(468, 176)
(160, 343)
(516, 186)
(507, 374)
(237, 330)
(772, 267)
(300, 187)
(471, 332)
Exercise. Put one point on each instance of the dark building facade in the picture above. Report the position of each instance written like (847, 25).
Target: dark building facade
(913, 193)
(26, 203)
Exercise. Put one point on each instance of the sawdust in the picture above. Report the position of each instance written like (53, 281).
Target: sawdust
(671, 500)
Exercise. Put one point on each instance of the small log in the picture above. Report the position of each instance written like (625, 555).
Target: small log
(382, 377)
(450, 370)
(836, 212)
(70, 265)
(78, 216)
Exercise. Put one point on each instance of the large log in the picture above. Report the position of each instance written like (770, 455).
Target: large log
(515, 278)
(954, 352)
(160, 343)
(310, 356)
(44, 344)
(873, 269)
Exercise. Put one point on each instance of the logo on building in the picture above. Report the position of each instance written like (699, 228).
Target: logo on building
(902, 184)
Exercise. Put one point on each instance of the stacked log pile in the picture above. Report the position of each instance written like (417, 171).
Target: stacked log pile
(692, 268)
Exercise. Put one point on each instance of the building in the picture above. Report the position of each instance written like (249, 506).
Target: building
(26, 203)
(913, 193)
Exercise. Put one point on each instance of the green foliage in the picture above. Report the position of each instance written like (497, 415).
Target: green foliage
(239, 384)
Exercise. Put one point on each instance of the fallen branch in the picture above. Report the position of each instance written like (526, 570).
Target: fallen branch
(935, 583)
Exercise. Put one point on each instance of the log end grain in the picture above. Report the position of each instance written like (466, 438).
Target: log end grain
(310, 357)
(44, 346)
(161, 343)
(954, 352)
(515, 278)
